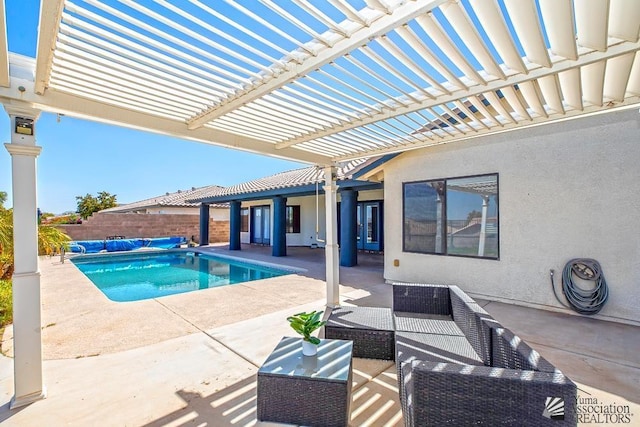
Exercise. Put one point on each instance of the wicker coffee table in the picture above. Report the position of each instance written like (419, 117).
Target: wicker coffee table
(306, 390)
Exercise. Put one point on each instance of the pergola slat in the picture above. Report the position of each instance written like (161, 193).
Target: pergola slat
(414, 41)
(90, 47)
(561, 31)
(459, 19)
(134, 81)
(82, 79)
(490, 15)
(156, 47)
(592, 22)
(477, 103)
(444, 43)
(592, 76)
(551, 93)
(624, 20)
(571, 85)
(514, 101)
(524, 16)
(530, 94)
(616, 77)
(634, 77)
(495, 102)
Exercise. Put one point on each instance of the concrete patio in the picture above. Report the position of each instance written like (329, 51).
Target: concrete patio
(191, 359)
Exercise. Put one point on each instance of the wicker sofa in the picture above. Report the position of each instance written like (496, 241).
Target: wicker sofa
(456, 364)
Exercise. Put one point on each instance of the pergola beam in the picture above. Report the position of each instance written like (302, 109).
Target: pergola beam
(4, 49)
(496, 84)
(59, 102)
(384, 25)
(50, 16)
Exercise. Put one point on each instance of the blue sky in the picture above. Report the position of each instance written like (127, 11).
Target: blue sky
(80, 157)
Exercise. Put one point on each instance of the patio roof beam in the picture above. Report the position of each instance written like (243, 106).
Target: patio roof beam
(4, 51)
(494, 85)
(50, 16)
(362, 36)
(71, 105)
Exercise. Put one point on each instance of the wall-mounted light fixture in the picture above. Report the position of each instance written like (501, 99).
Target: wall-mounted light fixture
(24, 126)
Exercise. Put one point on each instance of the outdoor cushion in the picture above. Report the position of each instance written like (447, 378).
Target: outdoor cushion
(426, 323)
(435, 348)
(370, 329)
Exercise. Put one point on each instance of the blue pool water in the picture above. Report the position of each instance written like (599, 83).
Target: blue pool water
(143, 276)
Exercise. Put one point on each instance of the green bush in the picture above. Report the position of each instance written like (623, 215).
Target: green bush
(6, 303)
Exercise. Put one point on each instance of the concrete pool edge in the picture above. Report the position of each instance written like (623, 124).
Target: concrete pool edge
(213, 253)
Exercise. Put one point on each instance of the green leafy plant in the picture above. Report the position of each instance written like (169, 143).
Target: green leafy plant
(6, 303)
(305, 323)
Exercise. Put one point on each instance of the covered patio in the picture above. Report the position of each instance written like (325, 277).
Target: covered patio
(192, 358)
(317, 84)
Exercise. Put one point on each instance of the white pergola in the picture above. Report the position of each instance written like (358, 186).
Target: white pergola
(320, 82)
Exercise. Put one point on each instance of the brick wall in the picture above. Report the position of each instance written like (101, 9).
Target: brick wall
(131, 225)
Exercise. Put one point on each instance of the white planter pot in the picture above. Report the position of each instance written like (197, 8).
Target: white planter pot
(309, 349)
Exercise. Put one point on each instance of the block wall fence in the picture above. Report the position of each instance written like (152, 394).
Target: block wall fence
(133, 225)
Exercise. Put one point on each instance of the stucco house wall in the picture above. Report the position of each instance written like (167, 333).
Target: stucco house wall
(566, 190)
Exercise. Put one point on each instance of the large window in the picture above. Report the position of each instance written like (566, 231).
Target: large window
(293, 219)
(454, 216)
(244, 220)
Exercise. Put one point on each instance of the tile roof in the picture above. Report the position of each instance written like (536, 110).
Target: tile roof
(177, 199)
(293, 178)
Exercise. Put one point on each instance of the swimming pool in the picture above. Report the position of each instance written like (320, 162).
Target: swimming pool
(150, 275)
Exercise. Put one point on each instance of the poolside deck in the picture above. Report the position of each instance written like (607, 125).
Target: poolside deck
(191, 359)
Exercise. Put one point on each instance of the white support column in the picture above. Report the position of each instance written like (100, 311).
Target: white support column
(483, 225)
(27, 325)
(331, 245)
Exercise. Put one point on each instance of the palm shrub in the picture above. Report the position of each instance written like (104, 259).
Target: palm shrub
(50, 239)
(6, 304)
(306, 323)
(6, 243)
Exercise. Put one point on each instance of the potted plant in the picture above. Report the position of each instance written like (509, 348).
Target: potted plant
(305, 324)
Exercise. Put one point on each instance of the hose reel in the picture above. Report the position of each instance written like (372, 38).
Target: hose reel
(588, 301)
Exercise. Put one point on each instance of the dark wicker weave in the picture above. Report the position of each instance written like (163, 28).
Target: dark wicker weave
(304, 399)
(460, 395)
(441, 374)
(421, 298)
(457, 365)
(412, 346)
(370, 329)
(509, 351)
(468, 316)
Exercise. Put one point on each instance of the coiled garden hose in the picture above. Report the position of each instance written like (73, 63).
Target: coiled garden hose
(584, 301)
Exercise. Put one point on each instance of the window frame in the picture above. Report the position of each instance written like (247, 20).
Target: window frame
(244, 224)
(445, 251)
(295, 220)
